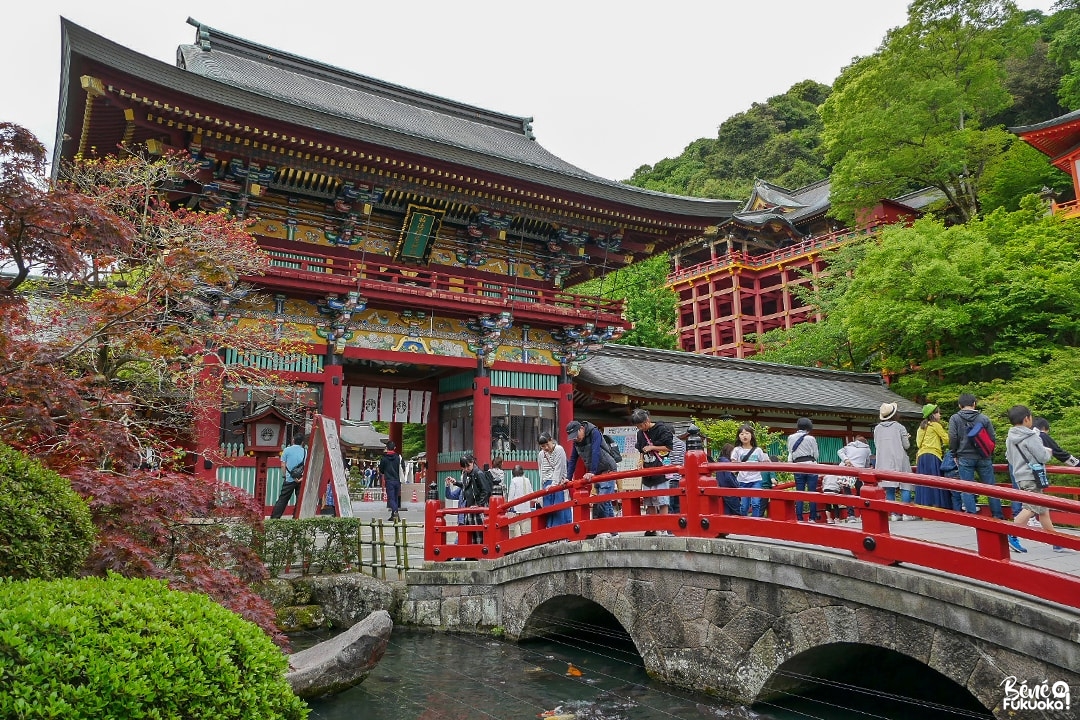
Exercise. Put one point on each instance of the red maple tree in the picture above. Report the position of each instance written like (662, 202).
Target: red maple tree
(113, 294)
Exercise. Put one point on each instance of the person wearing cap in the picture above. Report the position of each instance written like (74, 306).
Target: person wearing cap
(588, 445)
(931, 439)
(892, 440)
(390, 470)
(969, 459)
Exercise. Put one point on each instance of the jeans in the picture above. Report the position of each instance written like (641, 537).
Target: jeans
(750, 503)
(673, 501)
(393, 496)
(890, 495)
(809, 483)
(604, 509)
(984, 467)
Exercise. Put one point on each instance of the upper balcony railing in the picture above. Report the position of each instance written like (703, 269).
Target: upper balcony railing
(379, 275)
(1067, 209)
(806, 247)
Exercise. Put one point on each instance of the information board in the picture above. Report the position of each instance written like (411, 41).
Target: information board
(324, 450)
(626, 438)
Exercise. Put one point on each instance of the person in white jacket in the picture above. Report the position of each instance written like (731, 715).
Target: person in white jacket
(519, 486)
(1024, 447)
(856, 454)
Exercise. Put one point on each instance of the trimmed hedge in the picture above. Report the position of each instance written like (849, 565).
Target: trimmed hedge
(45, 527)
(124, 648)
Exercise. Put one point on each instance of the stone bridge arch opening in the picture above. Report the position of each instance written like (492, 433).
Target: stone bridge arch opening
(867, 679)
(580, 622)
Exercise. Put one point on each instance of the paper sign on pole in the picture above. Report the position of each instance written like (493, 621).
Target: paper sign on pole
(324, 449)
(626, 438)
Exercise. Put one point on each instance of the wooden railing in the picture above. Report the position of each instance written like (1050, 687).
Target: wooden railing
(806, 247)
(377, 274)
(701, 515)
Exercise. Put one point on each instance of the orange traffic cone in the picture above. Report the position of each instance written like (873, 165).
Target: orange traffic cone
(414, 496)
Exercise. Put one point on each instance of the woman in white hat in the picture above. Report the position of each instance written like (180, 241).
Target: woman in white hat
(891, 441)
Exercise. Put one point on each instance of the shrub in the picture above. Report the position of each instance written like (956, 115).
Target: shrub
(127, 648)
(45, 527)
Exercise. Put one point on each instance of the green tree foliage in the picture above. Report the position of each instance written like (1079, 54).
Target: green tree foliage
(117, 648)
(914, 114)
(1065, 51)
(987, 306)
(778, 140)
(650, 306)
(1019, 171)
(45, 528)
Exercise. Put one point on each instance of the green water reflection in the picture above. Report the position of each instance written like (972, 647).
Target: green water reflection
(437, 676)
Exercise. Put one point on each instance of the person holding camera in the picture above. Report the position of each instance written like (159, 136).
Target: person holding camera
(1027, 457)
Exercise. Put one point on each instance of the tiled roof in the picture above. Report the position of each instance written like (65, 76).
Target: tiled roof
(692, 378)
(814, 198)
(919, 199)
(1052, 122)
(363, 435)
(297, 91)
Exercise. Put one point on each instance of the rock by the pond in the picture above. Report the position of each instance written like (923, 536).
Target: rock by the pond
(343, 661)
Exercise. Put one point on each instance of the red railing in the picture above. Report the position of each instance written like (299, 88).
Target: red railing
(377, 274)
(805, 247)
(701, 515)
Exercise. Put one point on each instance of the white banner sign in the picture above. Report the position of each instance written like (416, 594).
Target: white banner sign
(385, 404)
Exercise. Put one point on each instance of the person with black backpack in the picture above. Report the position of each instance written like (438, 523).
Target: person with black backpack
(971, 457)
(590, 447)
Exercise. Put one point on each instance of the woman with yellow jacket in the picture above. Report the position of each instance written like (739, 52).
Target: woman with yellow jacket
(931, 439)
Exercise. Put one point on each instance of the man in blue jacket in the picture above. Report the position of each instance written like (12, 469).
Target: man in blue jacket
(588, 444)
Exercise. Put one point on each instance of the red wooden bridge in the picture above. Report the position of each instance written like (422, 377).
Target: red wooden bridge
(875, 539)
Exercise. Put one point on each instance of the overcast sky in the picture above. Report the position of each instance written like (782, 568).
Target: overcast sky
(611, 85)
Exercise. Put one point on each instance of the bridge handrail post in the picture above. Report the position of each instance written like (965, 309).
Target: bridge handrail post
(496, 527)
(434, 529)
(691, 502)
(581, 511)
(875, 519)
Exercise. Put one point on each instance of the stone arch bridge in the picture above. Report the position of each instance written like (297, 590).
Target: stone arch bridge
(751, 621)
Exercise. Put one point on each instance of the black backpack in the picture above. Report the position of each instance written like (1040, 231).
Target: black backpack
(612, 448)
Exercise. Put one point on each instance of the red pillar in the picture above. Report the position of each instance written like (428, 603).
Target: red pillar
(566, 414)
(432, 434)
(482, 419)
(208, 418)
(333, 387)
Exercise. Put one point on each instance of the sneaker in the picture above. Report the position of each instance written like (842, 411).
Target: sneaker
(912, 517)
(1014, 543)
(1058, 548)
(650, 533)
(895, 516)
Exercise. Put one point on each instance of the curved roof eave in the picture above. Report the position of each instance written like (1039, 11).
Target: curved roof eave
(80, 41)
(667, 374)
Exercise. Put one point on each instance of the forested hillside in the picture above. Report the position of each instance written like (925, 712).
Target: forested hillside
(987, 306)
(778, 140)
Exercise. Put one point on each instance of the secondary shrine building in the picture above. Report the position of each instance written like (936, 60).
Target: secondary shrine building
(420, 245)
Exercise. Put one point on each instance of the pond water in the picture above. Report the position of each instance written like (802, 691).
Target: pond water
(587, 676)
